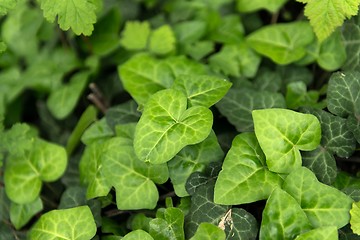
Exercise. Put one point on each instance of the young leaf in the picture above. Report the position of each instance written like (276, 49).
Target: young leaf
(73, 224)
(326, 15)
(321, 203)
(270, 5)
(24, 173)
(162, 40)
(7, 5)
(329, 233)
(283, 43)
(297, 96)
(79, 15)
(137, 235)
(282, 133)
(20, 214)
(171, 227)
(135, 35)
(355, 217)
(283, 217)
(253, 180)
(132, 178)
(238, 104)
(166, 126)
(202, 90)
(208, 231)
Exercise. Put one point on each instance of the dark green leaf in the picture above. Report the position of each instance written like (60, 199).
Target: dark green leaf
(123, 113)
(351, 36)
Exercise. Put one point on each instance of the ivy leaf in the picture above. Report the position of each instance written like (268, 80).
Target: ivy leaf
(188, 32)
(132, 178)
(329, 233)
(238, 104)
(170, 227)
(208, 231)
(321, 203)
(162, 40)
(230, 30)
(123, 113)
(136, 235)
(202, 90)
(326, 15)
(62, 101)
(73, 224)
(351, 34)
(252, 181)
(270, 5)
(282, 133)
(143, 75)
(297, 96)
(166, 126)
(355, 217)
(24, 173)
(20, 214)
(98, 130)
(135, 35)
(193, 158)
(283, 43)
(79, 15)
(283, 217)
(7, 5)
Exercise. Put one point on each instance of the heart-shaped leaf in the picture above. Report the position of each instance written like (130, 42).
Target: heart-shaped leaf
(282, 133)
(137, 235)
(252, 181)
(322, 204)
(166, 126)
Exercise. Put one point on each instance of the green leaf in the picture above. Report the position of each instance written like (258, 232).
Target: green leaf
(283, 217)
(193, 158)
(252, 181)
(7, 5)
(208, 231)
(162, 40)
(143, 75)
(326, 15)
(187, 32)
(171, 227)
(351, 35)
(20, 214)
(297, 96)
(135, 35)
(96, 131)
(166, 126)
(123, 113)
(63, 101)
(132, 178)
(239, 224)
(235, 60)
(79, 15)
(24, 173)
(73, 224)
(283, 43)
(355, 217)
(321, 203)
(230, 30)
(199, 50)
(18, 139)
(270, 5)
(329, 233)
(140, 221)
(137, 235)
(282, 133)
(238, 104)
(202, 90)
(2, 47)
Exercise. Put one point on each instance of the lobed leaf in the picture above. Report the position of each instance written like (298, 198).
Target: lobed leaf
(252, 181)
(171, 227)
(282, 133)
(162, 40)
(166, 126)
(137, 235)
(135, 35)
(208, 231)
(7, 5)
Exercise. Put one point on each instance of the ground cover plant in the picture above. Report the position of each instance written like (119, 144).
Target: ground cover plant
(151, 119)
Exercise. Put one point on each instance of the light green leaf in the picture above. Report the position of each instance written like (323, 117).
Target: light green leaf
(72, 224)
(202, 90)
(2, 47)
(18, 139)
(208, 231)
(230, 30)
(193, 158)
(355, 217)
(321, 203)
(162, 40)
(171, 227)
(326, 15)
(283, 43)
(24, 173)
(135, 35)
(297, 96)
(252, 181)
(199, 50)
(166, 126)
(132, 178)
(351, 35)
(79, 15)
(251, 6)
(282, 133)
(235, 60)
(329, 233)
(143, 75)
(7, 5)
(137, 235)
(96, 131)
(283, 217)
(238, 104)
(187, 32)
(20, 214)
(63, 101)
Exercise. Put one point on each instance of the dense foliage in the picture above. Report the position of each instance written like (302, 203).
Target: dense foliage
(170, 120)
